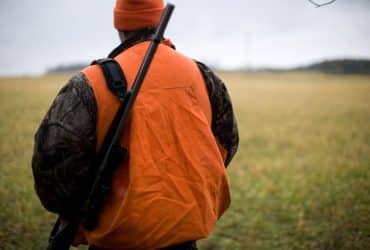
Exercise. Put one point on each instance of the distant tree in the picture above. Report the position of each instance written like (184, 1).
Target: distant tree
(321, 4)
(71, 68)
(340, 66)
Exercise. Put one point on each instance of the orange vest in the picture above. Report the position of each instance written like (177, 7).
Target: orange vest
(172, 186)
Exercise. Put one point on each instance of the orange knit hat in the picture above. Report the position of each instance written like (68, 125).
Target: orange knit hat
(137, 14)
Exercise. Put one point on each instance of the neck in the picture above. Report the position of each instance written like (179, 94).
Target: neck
(130, 38)
(142, 34)
(126, 35)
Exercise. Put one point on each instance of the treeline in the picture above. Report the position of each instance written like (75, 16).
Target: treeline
(342, 66)
(61, 69)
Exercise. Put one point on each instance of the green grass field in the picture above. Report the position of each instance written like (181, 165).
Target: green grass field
(300, 180)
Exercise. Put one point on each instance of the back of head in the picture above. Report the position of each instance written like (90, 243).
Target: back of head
(131, 15)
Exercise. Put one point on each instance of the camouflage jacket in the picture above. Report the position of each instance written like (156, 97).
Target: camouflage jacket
(64, 148)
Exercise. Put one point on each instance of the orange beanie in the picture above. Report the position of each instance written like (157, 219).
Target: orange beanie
(137, 14)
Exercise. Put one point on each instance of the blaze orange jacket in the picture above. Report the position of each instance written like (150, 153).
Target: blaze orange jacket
(172, 186)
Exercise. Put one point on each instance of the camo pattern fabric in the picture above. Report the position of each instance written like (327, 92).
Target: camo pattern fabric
(64, 148)
(224, 126)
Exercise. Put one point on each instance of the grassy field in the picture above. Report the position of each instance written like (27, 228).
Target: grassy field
(301, 178)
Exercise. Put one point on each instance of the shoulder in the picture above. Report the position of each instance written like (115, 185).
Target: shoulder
(77, 89)
(76, 84)
(209, 76)
(215, 86)
(205, 70)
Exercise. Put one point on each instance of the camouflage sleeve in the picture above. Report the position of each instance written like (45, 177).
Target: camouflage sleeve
(64, 148)
(224, 124)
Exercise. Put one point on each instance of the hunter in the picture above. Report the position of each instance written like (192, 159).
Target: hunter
(181, 135)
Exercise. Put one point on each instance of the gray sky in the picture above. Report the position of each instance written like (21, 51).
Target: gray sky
(38, 34)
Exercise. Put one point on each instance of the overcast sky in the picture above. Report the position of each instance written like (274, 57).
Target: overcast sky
(39, 34)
